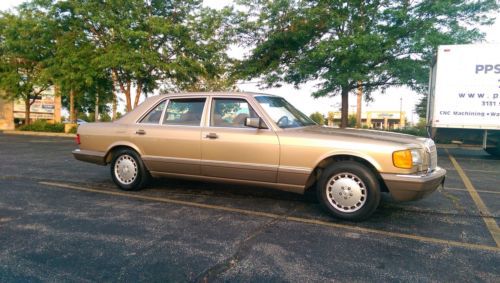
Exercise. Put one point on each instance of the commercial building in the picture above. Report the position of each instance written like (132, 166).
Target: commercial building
(6, 115)
(378, 119)
(46, 107)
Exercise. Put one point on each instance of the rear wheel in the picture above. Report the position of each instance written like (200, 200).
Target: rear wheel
(349, 190)
(128, 171)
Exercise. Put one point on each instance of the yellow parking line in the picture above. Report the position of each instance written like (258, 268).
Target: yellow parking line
(289, 218)
(491, 224)
(477, 159)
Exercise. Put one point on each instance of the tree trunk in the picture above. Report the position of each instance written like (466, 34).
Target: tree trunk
(137, 94)
(359, 102)
(127, 97)
(125, 91)
(345, 107)
(113, 117)
(96, 112)
(27, 112)
(72, 114)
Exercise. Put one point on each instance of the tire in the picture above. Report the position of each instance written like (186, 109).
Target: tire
(493, 151)
(348, 190)
(128, 171)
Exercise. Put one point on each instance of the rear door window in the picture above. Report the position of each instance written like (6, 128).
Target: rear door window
(184, 111)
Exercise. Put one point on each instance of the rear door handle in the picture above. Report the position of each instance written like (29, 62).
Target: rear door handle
(140, 132)
(212, 136)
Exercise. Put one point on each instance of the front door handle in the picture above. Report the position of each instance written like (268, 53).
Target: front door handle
(140, 132)
(212, 136)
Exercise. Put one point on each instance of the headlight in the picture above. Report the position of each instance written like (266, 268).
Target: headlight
(416, 157)
(406, 159)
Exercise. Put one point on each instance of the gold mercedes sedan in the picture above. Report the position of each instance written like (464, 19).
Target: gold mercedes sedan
(260, 139)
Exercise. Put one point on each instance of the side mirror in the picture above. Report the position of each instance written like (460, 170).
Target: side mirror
(255, 123)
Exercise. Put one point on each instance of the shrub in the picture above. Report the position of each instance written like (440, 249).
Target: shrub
(422, 132)
(351, 121)
(43, 126)
(318, 118)
(73, 130)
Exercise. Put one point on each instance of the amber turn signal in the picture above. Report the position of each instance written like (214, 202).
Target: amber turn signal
(402, 159)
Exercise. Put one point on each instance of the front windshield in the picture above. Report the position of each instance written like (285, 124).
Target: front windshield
(283, 113)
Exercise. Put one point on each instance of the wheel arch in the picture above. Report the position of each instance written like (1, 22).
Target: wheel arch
(117, 146)
(326, 161)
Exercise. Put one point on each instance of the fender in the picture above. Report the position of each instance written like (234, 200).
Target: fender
(334, 153)
(122, 143)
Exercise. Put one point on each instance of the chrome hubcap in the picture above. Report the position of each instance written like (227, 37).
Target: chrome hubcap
(346, 192)
(126, 169)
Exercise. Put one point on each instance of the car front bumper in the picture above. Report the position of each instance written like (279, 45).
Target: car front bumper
(412, 187)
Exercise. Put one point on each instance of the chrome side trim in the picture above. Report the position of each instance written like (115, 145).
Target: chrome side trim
(171, 159)
(293, 169)
(240, 165)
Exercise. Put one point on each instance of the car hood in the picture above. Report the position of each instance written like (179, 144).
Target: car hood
(358, 134)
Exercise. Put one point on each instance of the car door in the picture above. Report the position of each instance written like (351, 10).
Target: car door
(170, 142)
(233, 151)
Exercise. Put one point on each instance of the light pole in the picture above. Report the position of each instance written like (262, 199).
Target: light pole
(401, 112)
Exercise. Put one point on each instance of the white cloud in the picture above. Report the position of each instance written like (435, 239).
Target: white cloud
(9, 4)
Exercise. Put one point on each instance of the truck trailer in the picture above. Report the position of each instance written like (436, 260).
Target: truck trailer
(464, 93)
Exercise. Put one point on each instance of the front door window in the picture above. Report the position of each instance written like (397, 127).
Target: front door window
(230, 112)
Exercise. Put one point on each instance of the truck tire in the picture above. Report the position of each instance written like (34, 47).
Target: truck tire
(494, 151)
(128, 171)
(348, 190)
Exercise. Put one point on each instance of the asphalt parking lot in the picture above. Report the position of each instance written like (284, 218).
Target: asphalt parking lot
(64, 220)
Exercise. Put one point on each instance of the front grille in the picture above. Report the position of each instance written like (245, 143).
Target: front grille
(431, 148)
(434, 158)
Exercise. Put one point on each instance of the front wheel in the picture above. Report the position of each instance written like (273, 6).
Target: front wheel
(128, 171)
(349, 190)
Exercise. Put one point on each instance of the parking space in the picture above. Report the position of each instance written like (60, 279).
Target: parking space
(63, 219)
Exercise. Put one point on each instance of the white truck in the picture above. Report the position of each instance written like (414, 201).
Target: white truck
(464, 92)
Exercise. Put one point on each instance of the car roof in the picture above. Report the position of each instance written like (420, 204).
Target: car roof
(221, 93)
(150, 101)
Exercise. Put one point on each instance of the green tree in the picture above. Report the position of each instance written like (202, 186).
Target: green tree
(98, 91)
(25, 46)
(318, 118)
(340, 43)
(144, 43)
(73, 67)
(351, 122)
(421, 107)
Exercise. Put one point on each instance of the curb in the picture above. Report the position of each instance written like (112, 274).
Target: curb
(42, 134)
